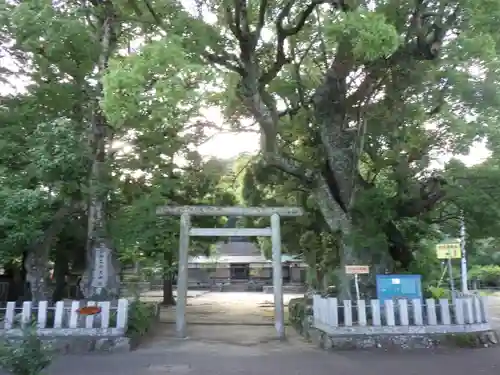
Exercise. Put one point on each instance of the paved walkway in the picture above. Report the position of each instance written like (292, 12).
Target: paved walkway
(224, 349)
(494, 308)
(201, 358)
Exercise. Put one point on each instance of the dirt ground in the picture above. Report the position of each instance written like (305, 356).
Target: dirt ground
(239, 318)
(229, 308)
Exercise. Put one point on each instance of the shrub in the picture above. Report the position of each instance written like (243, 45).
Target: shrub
(463, 340)
(486, 275)
(437, 293)
(296, 312)
(27, 356)
(141, 317)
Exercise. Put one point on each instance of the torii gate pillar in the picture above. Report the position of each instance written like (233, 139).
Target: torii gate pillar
(185, 213)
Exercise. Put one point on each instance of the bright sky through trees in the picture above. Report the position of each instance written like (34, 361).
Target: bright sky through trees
(229, 145)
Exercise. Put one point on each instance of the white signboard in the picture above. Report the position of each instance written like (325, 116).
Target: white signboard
(100, 276)
(357, 270)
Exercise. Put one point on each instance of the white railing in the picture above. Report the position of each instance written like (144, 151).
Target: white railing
(64, 319)
(401, 316)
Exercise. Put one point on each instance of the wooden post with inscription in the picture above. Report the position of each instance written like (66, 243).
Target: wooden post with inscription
(186, 231)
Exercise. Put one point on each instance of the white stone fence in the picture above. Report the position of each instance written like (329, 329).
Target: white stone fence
(400, 317)
(64, 319)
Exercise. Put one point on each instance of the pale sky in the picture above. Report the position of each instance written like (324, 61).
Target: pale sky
(226, 146)
(229, 145)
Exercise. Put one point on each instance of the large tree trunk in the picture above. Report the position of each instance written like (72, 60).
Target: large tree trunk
(333, 184)
(168, 291)
(338, 221)
(36, 258)
(168, 276)
(36, 273)
(61, 269)
(101, 279)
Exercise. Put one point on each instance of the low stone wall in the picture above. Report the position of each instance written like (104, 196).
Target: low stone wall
(286, 289)
(82, 345)
(126, 334)
(402, 342)
(301, 318)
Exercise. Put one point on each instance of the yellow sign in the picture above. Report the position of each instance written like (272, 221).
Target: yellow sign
(451, 250)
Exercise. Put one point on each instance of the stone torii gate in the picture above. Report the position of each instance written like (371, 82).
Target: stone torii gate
(186, 231)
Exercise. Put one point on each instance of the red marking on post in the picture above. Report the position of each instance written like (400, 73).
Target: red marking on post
(89, 310)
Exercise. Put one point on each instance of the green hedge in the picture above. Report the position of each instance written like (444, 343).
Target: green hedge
(141, 317)
(27, 356)
(296, 312)
(437, 293)
(486, 275)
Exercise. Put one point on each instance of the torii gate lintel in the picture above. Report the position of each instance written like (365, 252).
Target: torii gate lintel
(185, 213)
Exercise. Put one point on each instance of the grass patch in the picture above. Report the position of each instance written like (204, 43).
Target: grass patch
(463, 340)
(27, 355)
(489, 292)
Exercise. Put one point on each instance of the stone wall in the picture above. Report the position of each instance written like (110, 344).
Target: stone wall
(301, 318)
(82, 345)
(402, 342)
(79, 341)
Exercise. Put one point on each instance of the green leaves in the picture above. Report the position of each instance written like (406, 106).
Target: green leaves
(28, 355)
(369, 34)
(157, 82)
(55, 36)
(58, 152)
(23, 216)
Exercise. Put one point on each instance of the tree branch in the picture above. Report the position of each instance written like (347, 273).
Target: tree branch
(231, 22)
(151, 11)
(224, 59)
(430, 194)
(283, 32)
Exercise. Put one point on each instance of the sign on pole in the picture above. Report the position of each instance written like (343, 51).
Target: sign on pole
(357, 270)
(449, 250)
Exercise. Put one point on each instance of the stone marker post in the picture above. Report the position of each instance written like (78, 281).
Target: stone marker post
(101, 281)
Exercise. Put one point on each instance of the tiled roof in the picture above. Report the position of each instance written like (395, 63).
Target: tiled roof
(239, 259)
(229, 259)
(237, 248)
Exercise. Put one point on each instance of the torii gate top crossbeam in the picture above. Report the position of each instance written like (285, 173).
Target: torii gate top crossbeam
(229, 211)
